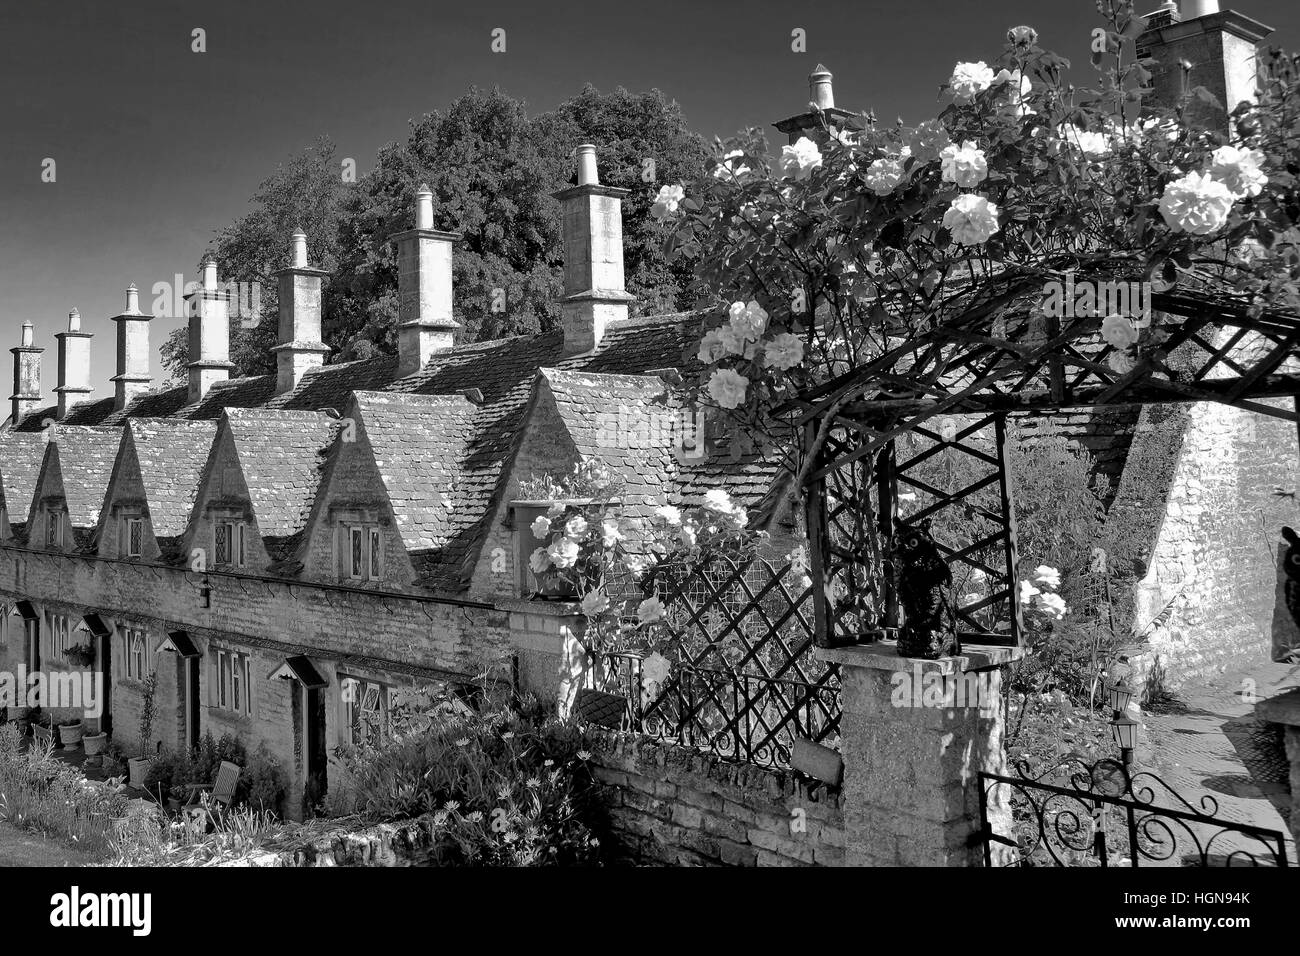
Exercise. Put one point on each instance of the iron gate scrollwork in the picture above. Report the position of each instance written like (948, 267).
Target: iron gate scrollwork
(1103, 814)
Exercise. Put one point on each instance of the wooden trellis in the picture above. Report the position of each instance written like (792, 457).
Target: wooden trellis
(993, 359)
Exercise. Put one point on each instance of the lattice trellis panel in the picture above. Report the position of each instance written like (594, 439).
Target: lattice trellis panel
(744, 681)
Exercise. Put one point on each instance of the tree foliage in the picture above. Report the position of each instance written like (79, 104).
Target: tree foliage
(492, 169)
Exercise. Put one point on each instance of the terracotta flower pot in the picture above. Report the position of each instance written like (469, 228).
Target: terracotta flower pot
(95, 744)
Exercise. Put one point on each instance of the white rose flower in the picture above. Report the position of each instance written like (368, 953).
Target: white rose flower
(785, 351)
(1118, 330)
(1053, 605)
(667, 201)
(727, 387)
(555, 510)
(718, 500)
(575, 527)
(670, 514)
(964, 165)
(798, 558)
(541, 526)
(971, 219)
(1239, 170)
(748, 319)
(1094, 144)
(711, 347)
(1027, 592)
(688, 535)
(799, 160)
(1197, 203)
(731, 166)
(649, 611)
(970, 79)
(1047, 576)
(594, 603)
(973, 597)
(609, 529)
(1018, 90)
(563, 553)
(539, 561)
(884, 175)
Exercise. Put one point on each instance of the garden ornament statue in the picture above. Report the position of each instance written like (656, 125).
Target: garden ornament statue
(923, 578)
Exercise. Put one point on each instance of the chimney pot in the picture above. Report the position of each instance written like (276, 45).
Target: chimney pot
(132, 300)
(587, 174)
(424, 207)
(210, 275)
(819, 86)
(29, 334)
(299, 250)
(74, 321)
(1191, 9)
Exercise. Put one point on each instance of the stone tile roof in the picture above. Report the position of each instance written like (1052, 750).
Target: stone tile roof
(626, 421)
(85, 455)
(420, 443)
(172, 455)
(20, 467)
(280, 455)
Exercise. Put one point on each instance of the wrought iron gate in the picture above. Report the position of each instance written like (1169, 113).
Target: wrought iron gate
(1102, 814)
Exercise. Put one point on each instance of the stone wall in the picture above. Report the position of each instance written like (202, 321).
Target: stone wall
(677, 806)
(1210, 599)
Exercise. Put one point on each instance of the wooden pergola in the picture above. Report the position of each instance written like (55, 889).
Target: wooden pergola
(993, 360)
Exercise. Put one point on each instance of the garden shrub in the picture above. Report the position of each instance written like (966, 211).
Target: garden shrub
(503, 787)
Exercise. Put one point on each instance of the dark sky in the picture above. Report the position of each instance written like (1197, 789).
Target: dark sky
(157, 147)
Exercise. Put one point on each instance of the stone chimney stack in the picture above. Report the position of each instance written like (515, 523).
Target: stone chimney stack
(594, 291)
(821, 111)
(424, 302)
(300, 348)
(208, 308)
(1201, 45)
(27, 376)
(74, 366)
(132, 376)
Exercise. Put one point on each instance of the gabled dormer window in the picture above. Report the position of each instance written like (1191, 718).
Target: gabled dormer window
(228, 543)
(132, 537)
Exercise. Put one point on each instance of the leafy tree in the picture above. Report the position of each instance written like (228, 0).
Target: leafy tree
(492, 170)
(305, 192)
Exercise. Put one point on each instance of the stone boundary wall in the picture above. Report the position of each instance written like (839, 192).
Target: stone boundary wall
(666, 805)
(673, 805)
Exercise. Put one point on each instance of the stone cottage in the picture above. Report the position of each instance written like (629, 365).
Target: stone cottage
(284, 551)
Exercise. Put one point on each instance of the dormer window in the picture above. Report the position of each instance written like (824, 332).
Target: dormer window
(133, 537)
(228, 543)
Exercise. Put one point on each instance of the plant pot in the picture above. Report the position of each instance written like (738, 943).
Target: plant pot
(42, 736)
(95, 744)
(174, 804)
(138, 769)
(70, 734)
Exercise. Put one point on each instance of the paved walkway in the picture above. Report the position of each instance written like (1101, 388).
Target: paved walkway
(1213, 745)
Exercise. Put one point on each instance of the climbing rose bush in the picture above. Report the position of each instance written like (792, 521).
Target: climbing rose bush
(857, 243)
